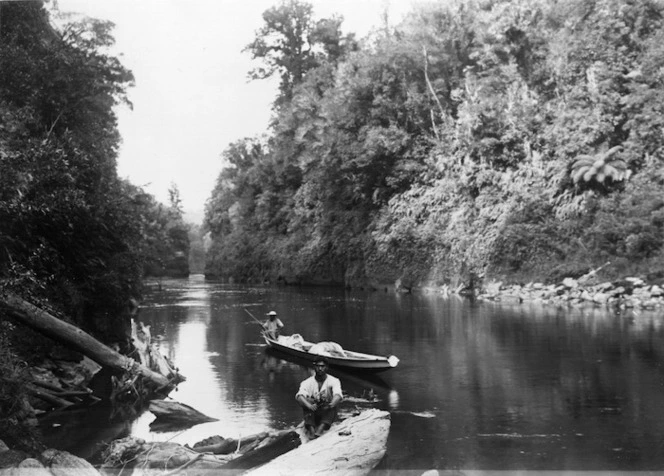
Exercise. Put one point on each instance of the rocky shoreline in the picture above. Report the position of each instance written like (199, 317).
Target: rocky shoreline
(625, 294)
(48, 462)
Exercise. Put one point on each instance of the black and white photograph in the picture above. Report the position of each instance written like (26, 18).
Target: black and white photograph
(317, 237)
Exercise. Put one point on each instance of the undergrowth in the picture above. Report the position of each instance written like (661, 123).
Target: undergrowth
(14, 407)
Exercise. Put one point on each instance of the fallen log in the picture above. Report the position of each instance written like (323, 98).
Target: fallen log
(62, 392)
(71, 335)
(230, 445)
(263, 454)
(155, 458)
(354, 446)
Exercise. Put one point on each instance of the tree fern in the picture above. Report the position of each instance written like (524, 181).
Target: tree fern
(600, 167)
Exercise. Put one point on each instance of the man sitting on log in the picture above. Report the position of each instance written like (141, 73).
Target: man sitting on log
(319, 396)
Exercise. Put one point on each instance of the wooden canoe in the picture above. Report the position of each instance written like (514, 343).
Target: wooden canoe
(346, 359)
(353, 447)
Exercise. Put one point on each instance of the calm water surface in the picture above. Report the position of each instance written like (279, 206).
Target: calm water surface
(480, 386)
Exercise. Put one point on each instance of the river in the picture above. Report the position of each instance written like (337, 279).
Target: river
(479, 386)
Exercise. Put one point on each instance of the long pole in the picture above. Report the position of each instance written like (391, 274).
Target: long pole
(253, 317)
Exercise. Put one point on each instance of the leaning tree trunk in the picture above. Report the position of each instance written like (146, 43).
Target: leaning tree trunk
(72, 336)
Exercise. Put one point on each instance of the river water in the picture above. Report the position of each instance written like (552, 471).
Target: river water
(479, 386)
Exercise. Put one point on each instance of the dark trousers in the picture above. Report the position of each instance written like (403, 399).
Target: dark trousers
(323, 414)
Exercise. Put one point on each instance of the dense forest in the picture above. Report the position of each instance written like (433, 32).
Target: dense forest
(75, 239)
(515, 140)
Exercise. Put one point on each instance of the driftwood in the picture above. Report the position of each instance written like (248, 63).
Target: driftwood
(173, 416)
(72, 336)
(148, 351)
(355, 446)
(276, 446)
(60, 397)
(61, 392)
(47, 396)
(230, 445)
(159, 458)
(167, 458)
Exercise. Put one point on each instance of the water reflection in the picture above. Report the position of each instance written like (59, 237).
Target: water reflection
(478, 386)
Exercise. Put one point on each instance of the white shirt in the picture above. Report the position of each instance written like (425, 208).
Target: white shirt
(331, 386)
(273, 325)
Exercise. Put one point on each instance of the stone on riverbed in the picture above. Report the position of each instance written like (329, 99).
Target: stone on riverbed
(32, 467)
(61, 463)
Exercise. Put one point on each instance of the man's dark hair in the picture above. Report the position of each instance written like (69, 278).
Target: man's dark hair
(320, 360)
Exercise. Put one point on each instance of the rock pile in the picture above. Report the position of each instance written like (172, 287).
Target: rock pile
(628, 293)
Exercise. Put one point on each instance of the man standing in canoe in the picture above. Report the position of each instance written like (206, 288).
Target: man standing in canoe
(319, 396)
(272, 325)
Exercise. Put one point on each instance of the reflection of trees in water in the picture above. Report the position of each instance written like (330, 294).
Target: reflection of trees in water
(575, 369)
(504, 372)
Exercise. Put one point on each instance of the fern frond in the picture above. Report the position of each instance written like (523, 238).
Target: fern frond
(578, 173)
(582, 160)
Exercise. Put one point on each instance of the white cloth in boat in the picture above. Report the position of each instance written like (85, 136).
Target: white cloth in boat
(295, 340)
(331, 349)
(330, 387)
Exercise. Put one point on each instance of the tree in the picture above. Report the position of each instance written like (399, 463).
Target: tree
(69, 232)
(456, 143)
(291, 43)
(175, 200)
(601, 167)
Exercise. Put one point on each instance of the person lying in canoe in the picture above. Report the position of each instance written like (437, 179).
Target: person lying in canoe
(319, 396)
(272, 325)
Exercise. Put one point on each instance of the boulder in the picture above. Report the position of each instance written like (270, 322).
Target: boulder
(61, 463)
(656, 291)
(32, 467)
(570, 283)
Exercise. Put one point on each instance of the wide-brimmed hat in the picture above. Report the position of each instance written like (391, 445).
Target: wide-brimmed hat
(271, 313)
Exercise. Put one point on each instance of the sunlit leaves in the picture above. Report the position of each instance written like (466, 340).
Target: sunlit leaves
(460, 135)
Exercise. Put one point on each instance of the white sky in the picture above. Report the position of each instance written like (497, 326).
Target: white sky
(192, 97)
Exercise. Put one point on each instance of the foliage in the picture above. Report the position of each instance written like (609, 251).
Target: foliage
(291, 42)
(73, 236)
(602, 168)
(516, 139)
(13, 396)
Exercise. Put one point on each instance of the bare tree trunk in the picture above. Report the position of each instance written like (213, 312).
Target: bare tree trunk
(72, 336)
